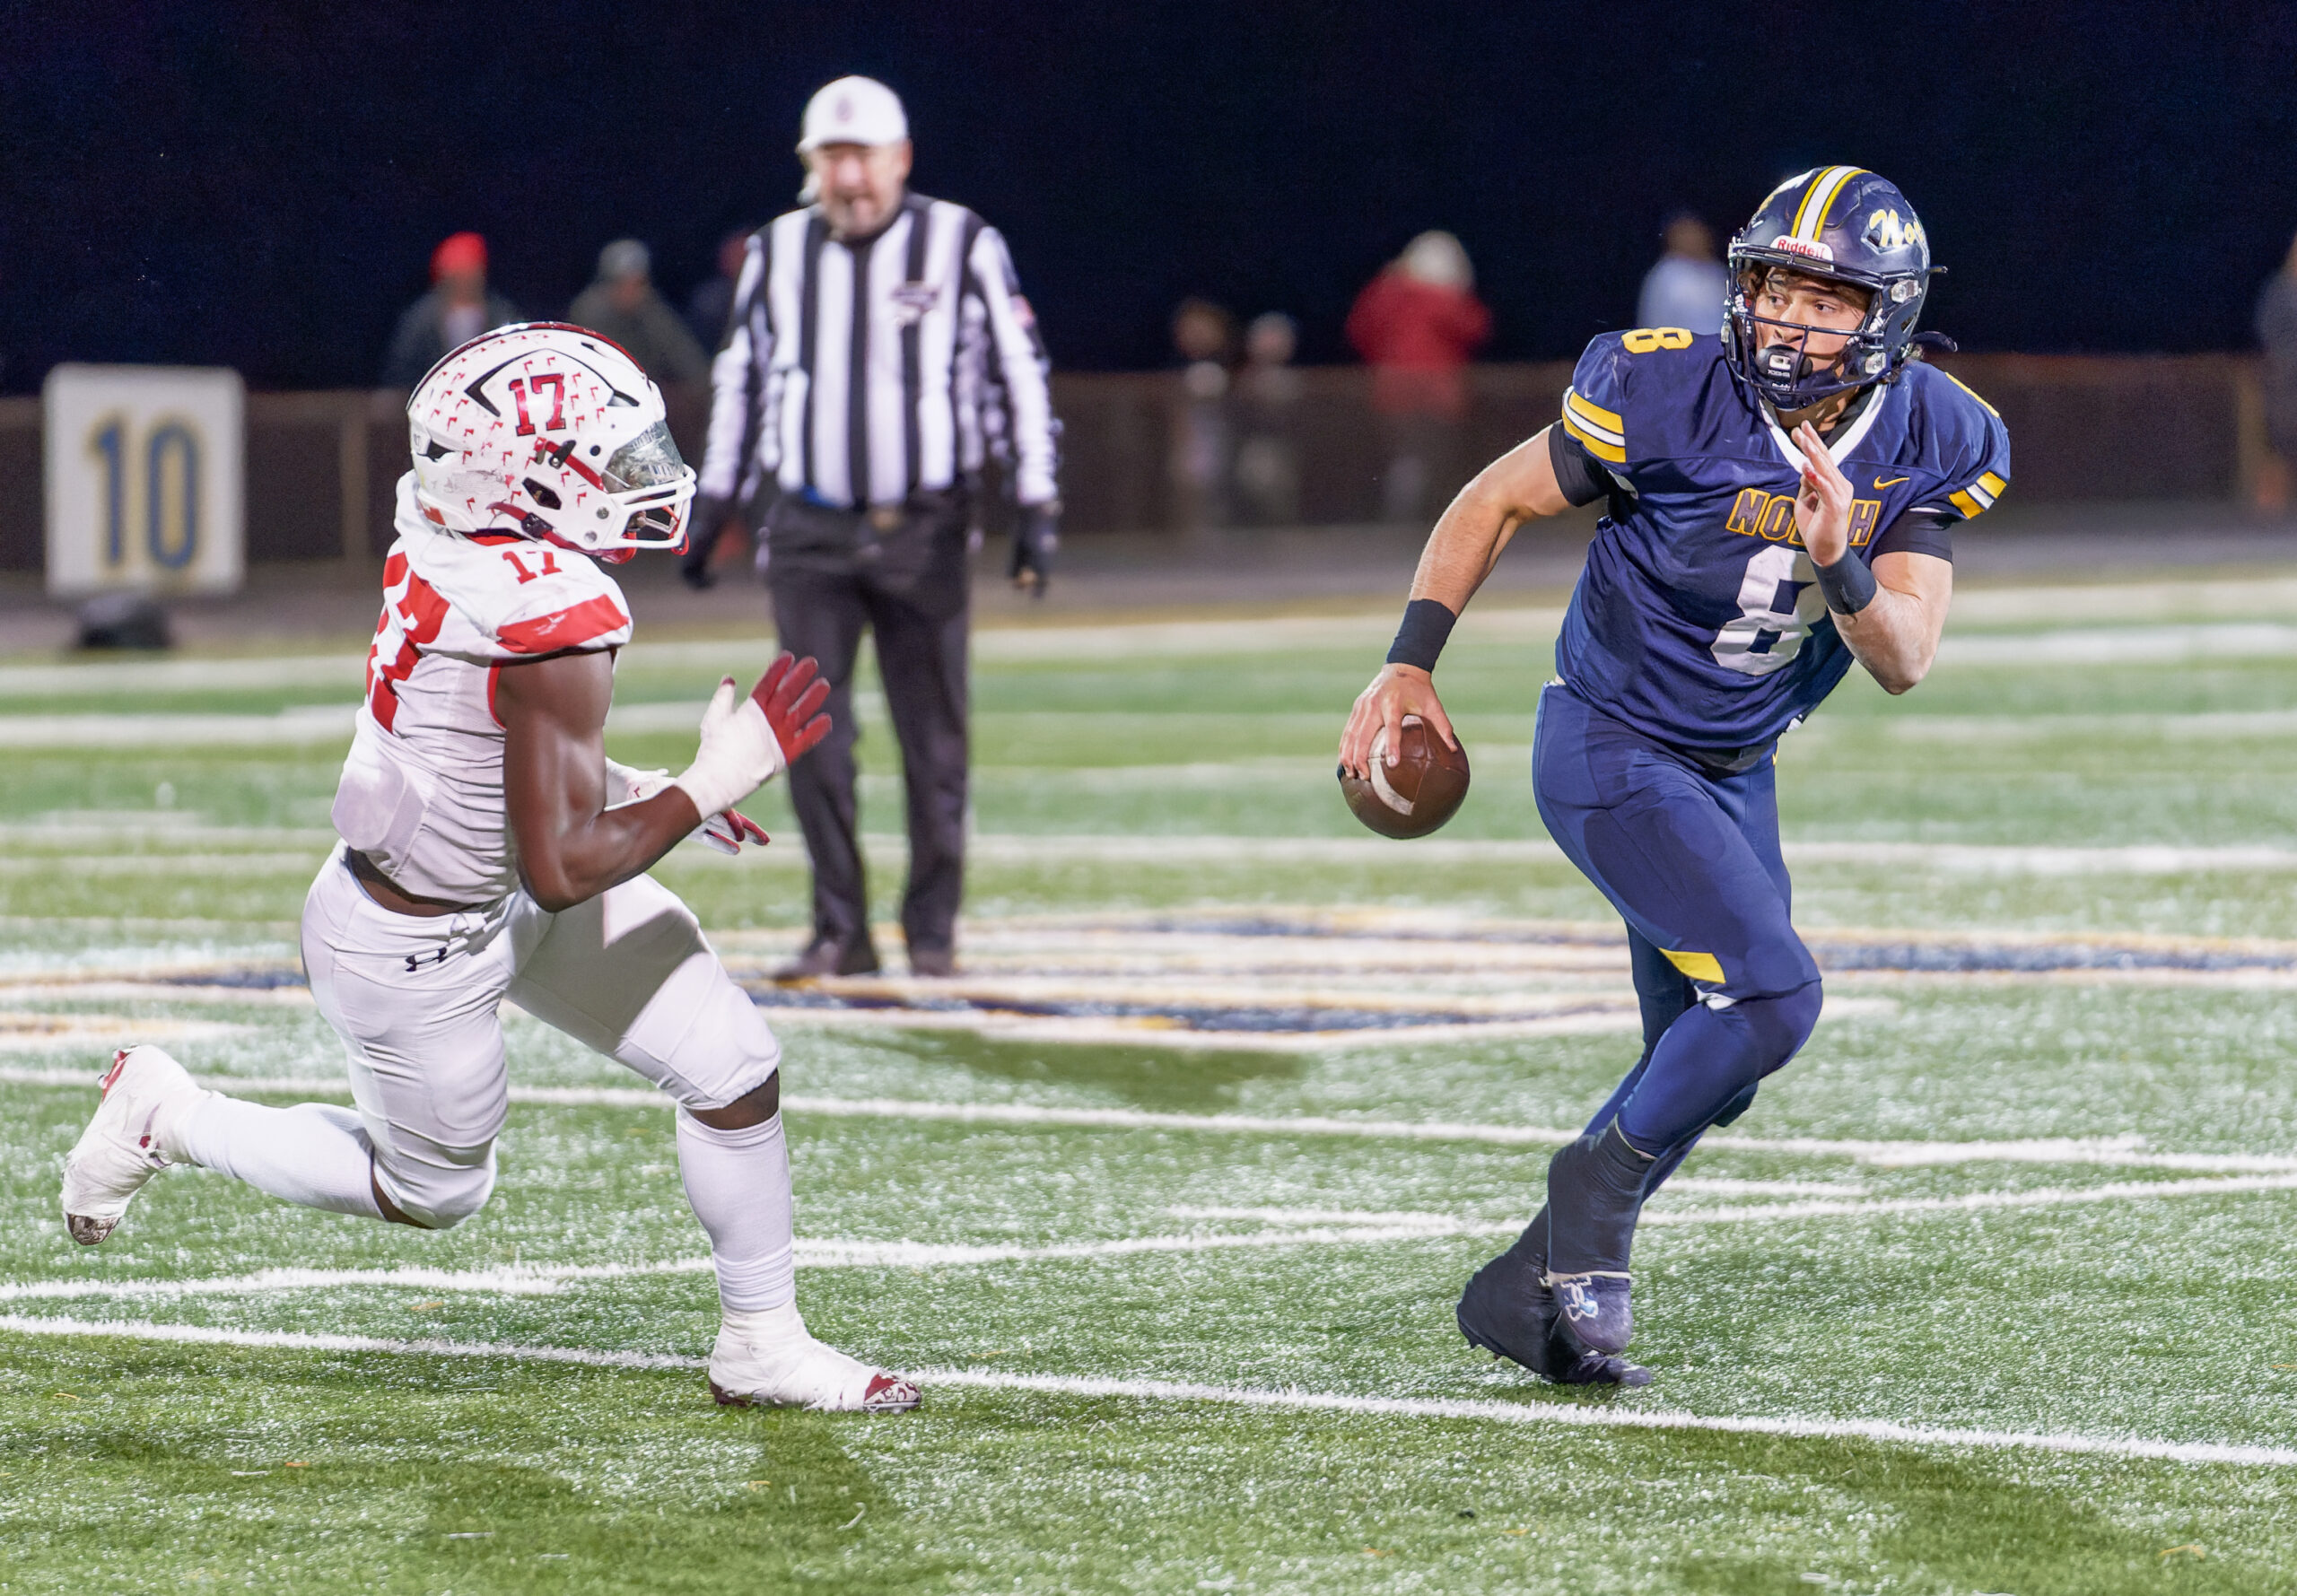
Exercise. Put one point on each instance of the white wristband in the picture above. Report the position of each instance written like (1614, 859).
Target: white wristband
(627, 784)
(738, 755)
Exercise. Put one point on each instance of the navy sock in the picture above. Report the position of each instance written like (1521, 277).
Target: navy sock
(1664, 1165)
(1595, 1190)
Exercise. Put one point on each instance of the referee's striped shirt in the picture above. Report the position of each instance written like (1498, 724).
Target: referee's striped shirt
(941, 363)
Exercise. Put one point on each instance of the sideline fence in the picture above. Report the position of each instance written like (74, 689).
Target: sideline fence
(321, 464)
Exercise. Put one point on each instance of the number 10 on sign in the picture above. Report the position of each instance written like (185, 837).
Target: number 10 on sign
(144, 479)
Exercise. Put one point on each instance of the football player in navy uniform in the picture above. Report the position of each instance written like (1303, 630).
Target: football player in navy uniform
(1781, 500)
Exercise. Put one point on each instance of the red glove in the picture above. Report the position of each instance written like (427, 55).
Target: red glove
(791, 694)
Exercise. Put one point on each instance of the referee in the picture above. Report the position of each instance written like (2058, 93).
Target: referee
(879, 352)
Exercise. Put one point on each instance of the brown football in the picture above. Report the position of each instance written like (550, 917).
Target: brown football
(1417, 794)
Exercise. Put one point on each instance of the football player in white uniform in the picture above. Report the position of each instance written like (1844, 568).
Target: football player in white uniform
(491, 851)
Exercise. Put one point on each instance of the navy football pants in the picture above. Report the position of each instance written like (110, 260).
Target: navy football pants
(1692, 862)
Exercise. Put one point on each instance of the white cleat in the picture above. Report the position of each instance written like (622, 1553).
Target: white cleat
(120, 1149)
(768, 1359)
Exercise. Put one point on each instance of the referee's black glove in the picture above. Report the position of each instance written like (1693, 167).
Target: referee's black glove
(1036, 533)
(705, 519)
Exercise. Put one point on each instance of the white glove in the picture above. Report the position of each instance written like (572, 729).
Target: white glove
(725, 831)
(738, 755)
(749, 738)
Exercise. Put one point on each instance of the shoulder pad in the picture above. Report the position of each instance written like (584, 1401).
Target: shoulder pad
(513, 599)
(1594, 406)
(1648, 362)
(1973, 445)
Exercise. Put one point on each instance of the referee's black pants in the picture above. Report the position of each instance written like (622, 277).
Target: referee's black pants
(832, 574)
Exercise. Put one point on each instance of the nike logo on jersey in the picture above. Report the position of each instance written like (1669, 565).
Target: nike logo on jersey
(1880, 484)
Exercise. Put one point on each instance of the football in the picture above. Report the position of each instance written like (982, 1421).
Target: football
(1417, 794)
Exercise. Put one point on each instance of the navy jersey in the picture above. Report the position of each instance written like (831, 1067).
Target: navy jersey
(1699, 619)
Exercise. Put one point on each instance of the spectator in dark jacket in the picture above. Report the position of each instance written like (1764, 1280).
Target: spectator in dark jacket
(457, 309)
(1415, 324)
(2277, 334)
(712, 303)
(1266, 399)
(624, 306)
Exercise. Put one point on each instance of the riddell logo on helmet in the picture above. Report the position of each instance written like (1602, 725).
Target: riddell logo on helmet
(1811, 247)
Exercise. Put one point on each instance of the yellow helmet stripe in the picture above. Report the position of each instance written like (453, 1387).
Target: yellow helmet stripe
(1811, 215)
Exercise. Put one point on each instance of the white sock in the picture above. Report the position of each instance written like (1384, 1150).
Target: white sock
(738, 1182)
(314, 1153)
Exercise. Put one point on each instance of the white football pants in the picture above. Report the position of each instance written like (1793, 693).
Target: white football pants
(416, 1001)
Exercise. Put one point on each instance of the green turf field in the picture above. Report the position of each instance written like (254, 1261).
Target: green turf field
(1168, 1201)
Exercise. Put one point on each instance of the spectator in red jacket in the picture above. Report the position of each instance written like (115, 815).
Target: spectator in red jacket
(457, 309)
(1415, 324)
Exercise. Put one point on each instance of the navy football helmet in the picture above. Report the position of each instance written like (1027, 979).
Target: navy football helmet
(1846, 225)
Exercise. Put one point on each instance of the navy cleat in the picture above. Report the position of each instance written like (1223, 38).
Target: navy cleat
(1507, 1310)
(1595, 1310)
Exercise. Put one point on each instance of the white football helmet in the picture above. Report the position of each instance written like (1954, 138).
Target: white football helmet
(551, 431)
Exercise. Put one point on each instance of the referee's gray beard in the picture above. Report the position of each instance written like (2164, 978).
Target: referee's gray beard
(862, 234)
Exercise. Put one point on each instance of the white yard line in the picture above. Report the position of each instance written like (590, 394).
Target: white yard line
(1531, 1411)
(2150, 601)
(2207, 726)
(2123, 1152)
(1618, 1417)
(1975, 858)
(134, 677)
(1297, 1227)
(534, 1280)
(1418, 1222)
(2124, 645)
(1152, 1030)
(140, 866)
(2117, 1152)
(549, 1279)
(1011, 848)
(2048, 1196)
(293, 728)
(2141, 859)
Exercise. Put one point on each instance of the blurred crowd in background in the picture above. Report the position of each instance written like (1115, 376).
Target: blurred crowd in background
(2276, 327)
(1236, 445)
(1418, 323)
(621, 302)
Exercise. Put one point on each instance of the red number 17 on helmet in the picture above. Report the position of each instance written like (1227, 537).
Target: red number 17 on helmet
(557, 383)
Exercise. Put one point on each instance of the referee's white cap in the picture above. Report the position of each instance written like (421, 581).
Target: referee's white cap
(853, 111)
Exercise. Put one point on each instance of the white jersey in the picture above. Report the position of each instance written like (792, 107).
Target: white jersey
(421, 792)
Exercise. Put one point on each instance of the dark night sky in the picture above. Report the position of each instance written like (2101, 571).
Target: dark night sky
(261, 186)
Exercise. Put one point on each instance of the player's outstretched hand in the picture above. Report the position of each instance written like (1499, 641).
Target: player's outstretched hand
(747, 741)
(791, 694)
(1823, 504)
(1399, 690)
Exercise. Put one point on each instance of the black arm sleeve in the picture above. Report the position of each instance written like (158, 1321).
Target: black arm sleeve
(1577, 473)
(1918, 533)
